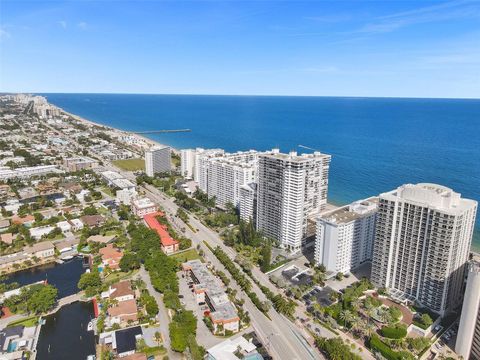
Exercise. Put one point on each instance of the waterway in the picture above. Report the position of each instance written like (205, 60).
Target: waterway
(64, 334)
(63, 276)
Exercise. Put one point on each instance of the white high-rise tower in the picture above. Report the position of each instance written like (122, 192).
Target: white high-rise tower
(292, 190)
(422, 242)
(157, 160)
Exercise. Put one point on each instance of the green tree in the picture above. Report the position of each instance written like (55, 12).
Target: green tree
(90, 282)
(129, 261)
(42, 300)
(266, 256)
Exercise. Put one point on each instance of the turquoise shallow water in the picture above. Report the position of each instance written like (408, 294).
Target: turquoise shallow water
(377, 143)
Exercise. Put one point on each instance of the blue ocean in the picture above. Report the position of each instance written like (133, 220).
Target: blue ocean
(376, 144)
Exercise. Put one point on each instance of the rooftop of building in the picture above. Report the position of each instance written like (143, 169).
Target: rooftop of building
(431, 195)
(162, 230)
(227, 349)
(294, 156)
(143, 202)
(351, 212)
(224, 309)
(123, 308)
(110, 252)
(122, 288)
(126, 339)
(40, 246)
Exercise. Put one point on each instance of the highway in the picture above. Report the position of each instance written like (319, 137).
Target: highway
(280, 336)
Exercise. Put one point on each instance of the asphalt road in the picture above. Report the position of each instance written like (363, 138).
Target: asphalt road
(281, 337)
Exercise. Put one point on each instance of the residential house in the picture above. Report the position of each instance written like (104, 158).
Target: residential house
(77, 224)
(40, 231)
(7, 238)
(48, 213)
(41, 250)
(27, 220)
(64, 246)
(4, 225)
(123, 342)
(102, 239)
(65, 226)
(122, 312)
(111, 257)
(121, 291)
(92, 220)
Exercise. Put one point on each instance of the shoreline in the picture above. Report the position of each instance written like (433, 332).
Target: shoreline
(145, 139)
(474, 247)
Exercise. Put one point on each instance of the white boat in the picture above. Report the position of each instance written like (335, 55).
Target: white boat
(90, 326)
(91, 357)
(69, 257)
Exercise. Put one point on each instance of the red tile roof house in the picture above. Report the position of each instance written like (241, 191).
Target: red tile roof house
(169, 245)
(122, 312)
(27, 220)
(111, 257)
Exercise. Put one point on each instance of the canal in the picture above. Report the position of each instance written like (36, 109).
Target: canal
(64, 334)
(63, 276)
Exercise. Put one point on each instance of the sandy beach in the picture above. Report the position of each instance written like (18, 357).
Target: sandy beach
(149, 142)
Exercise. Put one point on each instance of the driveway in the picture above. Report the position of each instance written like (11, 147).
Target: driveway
(162, 315)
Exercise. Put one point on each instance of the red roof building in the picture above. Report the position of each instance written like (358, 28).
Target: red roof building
(111, 256)
(169, 244)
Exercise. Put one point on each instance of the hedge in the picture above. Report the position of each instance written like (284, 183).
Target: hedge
(377, 345)
(394, 332)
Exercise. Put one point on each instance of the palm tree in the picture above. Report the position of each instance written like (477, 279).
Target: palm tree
(354, 322)
(370, 329)
(356, 303)
(346, 316)
(158, 337)
(318, 309)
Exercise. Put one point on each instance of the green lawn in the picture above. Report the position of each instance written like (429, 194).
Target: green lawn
(27, 322)
(115, 276)
(188, 255)
(130, 164)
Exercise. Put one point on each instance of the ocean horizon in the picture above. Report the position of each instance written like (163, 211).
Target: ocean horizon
(377, 144)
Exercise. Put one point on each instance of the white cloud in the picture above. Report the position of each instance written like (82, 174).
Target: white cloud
(63, 24)
(443, 12)
(82, 25)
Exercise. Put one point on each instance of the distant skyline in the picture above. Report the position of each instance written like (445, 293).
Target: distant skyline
(324, 48)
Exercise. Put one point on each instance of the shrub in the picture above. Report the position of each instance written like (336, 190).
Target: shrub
(394, 332)
(377, 345)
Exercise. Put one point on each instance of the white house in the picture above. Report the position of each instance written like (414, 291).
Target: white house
(76, 224)
(65, 226)
(38, 232)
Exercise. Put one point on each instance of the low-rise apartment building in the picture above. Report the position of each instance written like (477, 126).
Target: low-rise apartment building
(74, 164)
(168, 244)
(208, 289)
(143, 206)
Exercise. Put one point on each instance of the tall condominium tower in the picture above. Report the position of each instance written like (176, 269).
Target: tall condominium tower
(187, 163)
(468, 339)
(422, 242)
(157, 160)
(200, 170)
(248, 202)
(345, 236)
(292, 190)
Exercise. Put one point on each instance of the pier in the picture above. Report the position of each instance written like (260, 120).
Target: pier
(161, 131)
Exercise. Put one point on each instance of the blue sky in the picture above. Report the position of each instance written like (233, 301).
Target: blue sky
(344, 48)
